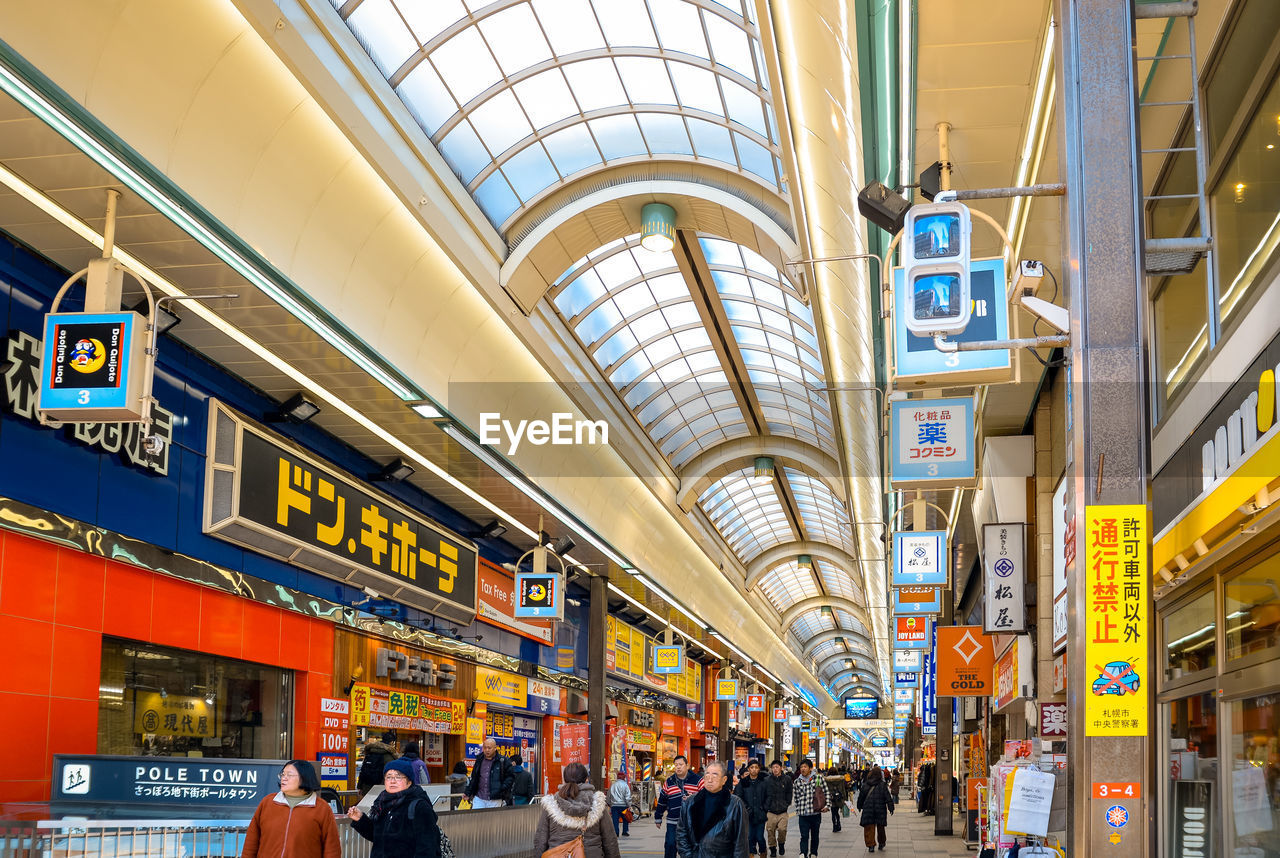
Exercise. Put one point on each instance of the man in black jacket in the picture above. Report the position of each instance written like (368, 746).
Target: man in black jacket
(376, 756)
(777, 803)
(751, 789)
(491, 778)
(677, 791)
(714, 823)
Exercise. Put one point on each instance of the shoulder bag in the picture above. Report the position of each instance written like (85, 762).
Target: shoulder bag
(819, 797)
(574, 848)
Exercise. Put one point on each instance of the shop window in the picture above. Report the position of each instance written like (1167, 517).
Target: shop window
(1255, 26)
(1255, 776)
(1193, 757)
(159, 701)
(1252, 607)
(1180, 320)
(1190, 636)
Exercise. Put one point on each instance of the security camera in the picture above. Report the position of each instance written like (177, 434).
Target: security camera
(153, 445)
(370, 592)
(510, 567)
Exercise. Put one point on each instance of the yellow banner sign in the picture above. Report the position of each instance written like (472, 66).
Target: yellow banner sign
(173, 715)
(726, 689)
(391, 708)
(496, 686)
(1116, 571)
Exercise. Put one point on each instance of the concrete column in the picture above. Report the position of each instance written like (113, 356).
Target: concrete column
(1106, 291)
(597, 616)
(944, 770)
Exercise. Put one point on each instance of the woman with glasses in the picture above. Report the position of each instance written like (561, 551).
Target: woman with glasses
(401, 823)
(293, 822)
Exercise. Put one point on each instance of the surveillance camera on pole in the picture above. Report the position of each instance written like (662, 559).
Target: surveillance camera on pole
(936, 248)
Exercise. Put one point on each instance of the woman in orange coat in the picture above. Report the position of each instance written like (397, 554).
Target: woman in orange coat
(293, 823)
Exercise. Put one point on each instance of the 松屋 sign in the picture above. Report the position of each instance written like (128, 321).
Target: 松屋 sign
(1116, 569)
(932, 443)
(920, 559)
(1004, 562)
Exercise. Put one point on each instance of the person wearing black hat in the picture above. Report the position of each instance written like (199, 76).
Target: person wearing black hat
(401, 823)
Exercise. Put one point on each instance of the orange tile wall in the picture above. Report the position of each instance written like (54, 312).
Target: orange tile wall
(56, 604)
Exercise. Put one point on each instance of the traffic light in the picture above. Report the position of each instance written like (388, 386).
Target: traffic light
(936, 256)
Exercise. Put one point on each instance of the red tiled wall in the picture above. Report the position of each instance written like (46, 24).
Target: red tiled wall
(57, 603)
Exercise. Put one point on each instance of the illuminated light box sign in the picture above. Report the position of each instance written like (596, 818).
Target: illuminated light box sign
(907, 660)
(540, 595)
(859, 708)
(93, 367)
(917, 600)
(726, 689)
(917, 363)
(932, 443)
(920, 558)
(906, 680)
(793, 721)
(780, 716)
(264, 494)
(755, 702)
(912, 632)
(668, 658)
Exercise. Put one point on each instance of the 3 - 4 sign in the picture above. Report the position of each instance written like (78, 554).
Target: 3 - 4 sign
(1117, 790)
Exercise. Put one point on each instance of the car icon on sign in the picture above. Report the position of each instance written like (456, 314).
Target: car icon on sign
(1118, 678)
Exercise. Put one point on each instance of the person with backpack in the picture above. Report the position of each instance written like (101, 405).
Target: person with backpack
(837, 795)
(876, 805)
(752, 790)
(401, 823)
(810, 793)
(521, 781)
(576, 815)
(676, 791)
(421, 776)
(376, 756)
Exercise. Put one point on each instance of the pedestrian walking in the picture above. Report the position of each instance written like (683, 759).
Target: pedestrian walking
(714, 825)
(458, 778)
(421, 776)
(619, 802)
(522, 790)
(876, 805)
(810, 795)
(751, 789)
(777, 805)
(672, 798)
(491, 777)
(895, 784)
(293, 821)
(376, 756)
(575, 812)
(837, 796)
(401, 823)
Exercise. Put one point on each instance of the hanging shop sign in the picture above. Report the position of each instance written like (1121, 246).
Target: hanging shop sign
(904, 695)
(920, 558)
(1004, 566)
(393, 709)
(908, 660)
(912, 632)
(917, 363)
(726, 689)
(539, 595)
(94, 367)
(174, 715)
(906, 680)
(794, 721)
(1013, 673)
(334, 717)
(626, 655)
(498, 686)
(932, 443)
(928, 696)
(917, 600)
(1064, 546)
(1117, 576)
(544, 697)
(1060, 673)
(190, 783)
(780, 716)
(755, 702)
(495, 605)
(668, 658)
(22, 358)
(1053, 720)
(264, 494)
(965, 658)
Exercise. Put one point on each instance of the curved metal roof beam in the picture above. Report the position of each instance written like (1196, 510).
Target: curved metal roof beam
(805, 605)
(867, 665)
(714, 462)
(856, 677)
(763, 564)
(822, 637)
(859, 686)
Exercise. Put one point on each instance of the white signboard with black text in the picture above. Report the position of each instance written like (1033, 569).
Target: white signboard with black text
(1004, 567)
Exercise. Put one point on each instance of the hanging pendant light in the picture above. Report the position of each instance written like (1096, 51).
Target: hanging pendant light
(658, 227)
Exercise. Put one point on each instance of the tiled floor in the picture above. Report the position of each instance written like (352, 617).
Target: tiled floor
(910, 836)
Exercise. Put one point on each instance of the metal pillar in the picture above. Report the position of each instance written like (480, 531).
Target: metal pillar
(724, 752)
(597, 616)
(944, 768)
(777, 732)
(1107, 455)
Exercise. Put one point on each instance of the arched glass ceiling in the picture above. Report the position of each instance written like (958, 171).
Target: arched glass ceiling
(824, 517)
(522, 95)
(788, 584)
(809, 624)
(836, 581)
(748, 514)
(826, 650)
(776, 334)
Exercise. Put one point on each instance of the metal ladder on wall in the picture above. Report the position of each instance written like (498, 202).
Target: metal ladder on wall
(1174, 255)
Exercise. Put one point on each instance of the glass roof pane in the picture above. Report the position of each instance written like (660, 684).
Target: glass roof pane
(529, 171)
(737, 497)
(501, 44)
(836, 581)
(825, 650)
(823, 514)
(788, 584)
(497, 198)
(515, 38)
(384, 34)
(464, 152)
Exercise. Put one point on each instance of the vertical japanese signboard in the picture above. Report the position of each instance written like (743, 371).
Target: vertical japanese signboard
(1115, 566)
(1004, 566)
(932, 443)
(920, 558)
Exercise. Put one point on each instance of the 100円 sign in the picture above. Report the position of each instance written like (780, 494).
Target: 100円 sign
(266, 495)
(1116, 571)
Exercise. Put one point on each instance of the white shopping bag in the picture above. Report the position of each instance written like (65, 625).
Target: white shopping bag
(1029, 798)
